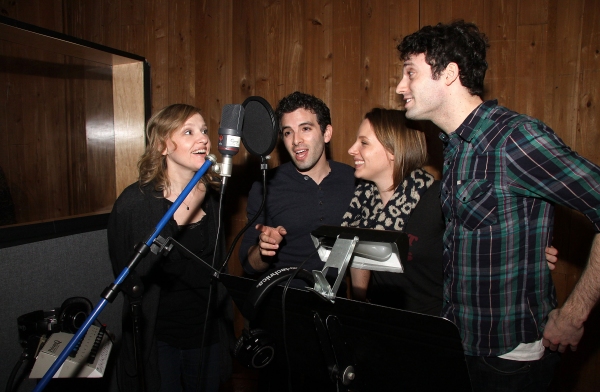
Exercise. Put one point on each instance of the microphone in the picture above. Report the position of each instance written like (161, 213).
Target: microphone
(230, 133)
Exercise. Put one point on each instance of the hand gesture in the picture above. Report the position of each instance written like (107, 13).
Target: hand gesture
(269, 239)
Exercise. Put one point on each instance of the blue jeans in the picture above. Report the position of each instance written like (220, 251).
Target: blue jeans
(179, 369)
(493, 374)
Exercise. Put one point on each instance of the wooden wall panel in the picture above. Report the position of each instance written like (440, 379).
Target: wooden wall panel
(530, 70)
(563, 69)
(291, 61)
(376, 45)
(76, 138)
(345, 106)
(47, 14)
(157, 50)
(206, 45)
(432, 12)
(533, 12)
(469, 10)
(563, 60)
(544, 61)
(403, 21)
(111, 23)
(588, 102)
(270, 27)
(181, 63)
(129, 142)
(318, 49)
(500, 26)
(100, 142)
(29, 134)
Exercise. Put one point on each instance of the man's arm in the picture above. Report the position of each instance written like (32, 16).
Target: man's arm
(267, 247)
(565, 325)
(360, 283)
(542, 165)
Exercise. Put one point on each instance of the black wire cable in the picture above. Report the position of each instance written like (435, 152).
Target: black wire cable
(11, 379)
(211, 285)
(230, 252)
(251, 221)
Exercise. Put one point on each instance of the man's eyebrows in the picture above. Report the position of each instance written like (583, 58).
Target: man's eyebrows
(299, 125)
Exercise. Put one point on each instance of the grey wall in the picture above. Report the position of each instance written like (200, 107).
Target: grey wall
(40, 276)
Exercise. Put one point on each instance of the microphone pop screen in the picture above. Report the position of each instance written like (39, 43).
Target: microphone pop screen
(259, 130)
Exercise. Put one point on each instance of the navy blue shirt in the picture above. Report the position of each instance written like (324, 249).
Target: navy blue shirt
(297, 203)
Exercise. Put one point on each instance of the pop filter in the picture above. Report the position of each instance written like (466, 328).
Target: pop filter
(260, 130)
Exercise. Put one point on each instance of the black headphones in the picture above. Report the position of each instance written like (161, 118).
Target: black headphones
(255, 349)
(69, 317)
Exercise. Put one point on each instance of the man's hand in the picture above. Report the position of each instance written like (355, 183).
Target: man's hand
(551, 257)
(269, 239)
(561, 332)
(565, 325)
(268, 245)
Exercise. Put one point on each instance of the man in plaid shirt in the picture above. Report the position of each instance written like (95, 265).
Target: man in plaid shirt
(503, 173)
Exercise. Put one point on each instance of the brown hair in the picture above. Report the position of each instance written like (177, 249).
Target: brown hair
(152, 166)
(408, 145)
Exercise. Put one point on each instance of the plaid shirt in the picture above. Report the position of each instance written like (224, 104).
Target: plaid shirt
(503, 172)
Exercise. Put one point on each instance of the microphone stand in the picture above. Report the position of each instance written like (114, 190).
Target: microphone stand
(110, 293)
(225, 169)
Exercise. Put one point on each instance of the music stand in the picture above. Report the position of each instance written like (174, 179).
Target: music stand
(351, 345)
(338, 246)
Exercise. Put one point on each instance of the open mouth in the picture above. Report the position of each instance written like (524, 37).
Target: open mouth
(300, 154)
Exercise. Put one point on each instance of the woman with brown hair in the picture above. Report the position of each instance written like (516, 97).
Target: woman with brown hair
(396, 193)
(187, 328)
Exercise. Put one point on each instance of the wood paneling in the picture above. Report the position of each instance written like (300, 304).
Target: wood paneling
(544, 60)
(346, 76)
(59, 123)
(318, 47)
(128, 120)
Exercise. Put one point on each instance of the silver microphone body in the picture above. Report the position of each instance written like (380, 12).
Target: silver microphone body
(230, 132)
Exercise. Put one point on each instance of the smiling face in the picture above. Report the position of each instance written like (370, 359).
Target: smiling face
(371, 160)
(423, 95)
(304, 140)
(187, 148)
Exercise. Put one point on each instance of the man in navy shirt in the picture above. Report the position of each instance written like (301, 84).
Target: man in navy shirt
(302, 195)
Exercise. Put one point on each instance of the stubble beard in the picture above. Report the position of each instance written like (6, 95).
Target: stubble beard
(310, 163)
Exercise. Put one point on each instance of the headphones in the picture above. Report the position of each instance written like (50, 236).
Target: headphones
(255, 348)
(69, 317)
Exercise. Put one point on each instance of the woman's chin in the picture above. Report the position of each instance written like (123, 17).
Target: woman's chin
(360, 175)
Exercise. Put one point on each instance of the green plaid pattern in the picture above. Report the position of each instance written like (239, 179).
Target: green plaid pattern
(503, 172)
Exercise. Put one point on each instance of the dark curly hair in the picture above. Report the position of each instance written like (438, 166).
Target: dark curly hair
(298, 100)
(458, 42)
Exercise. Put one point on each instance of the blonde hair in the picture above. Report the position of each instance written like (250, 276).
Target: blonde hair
(152, 166)
(408, 145)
